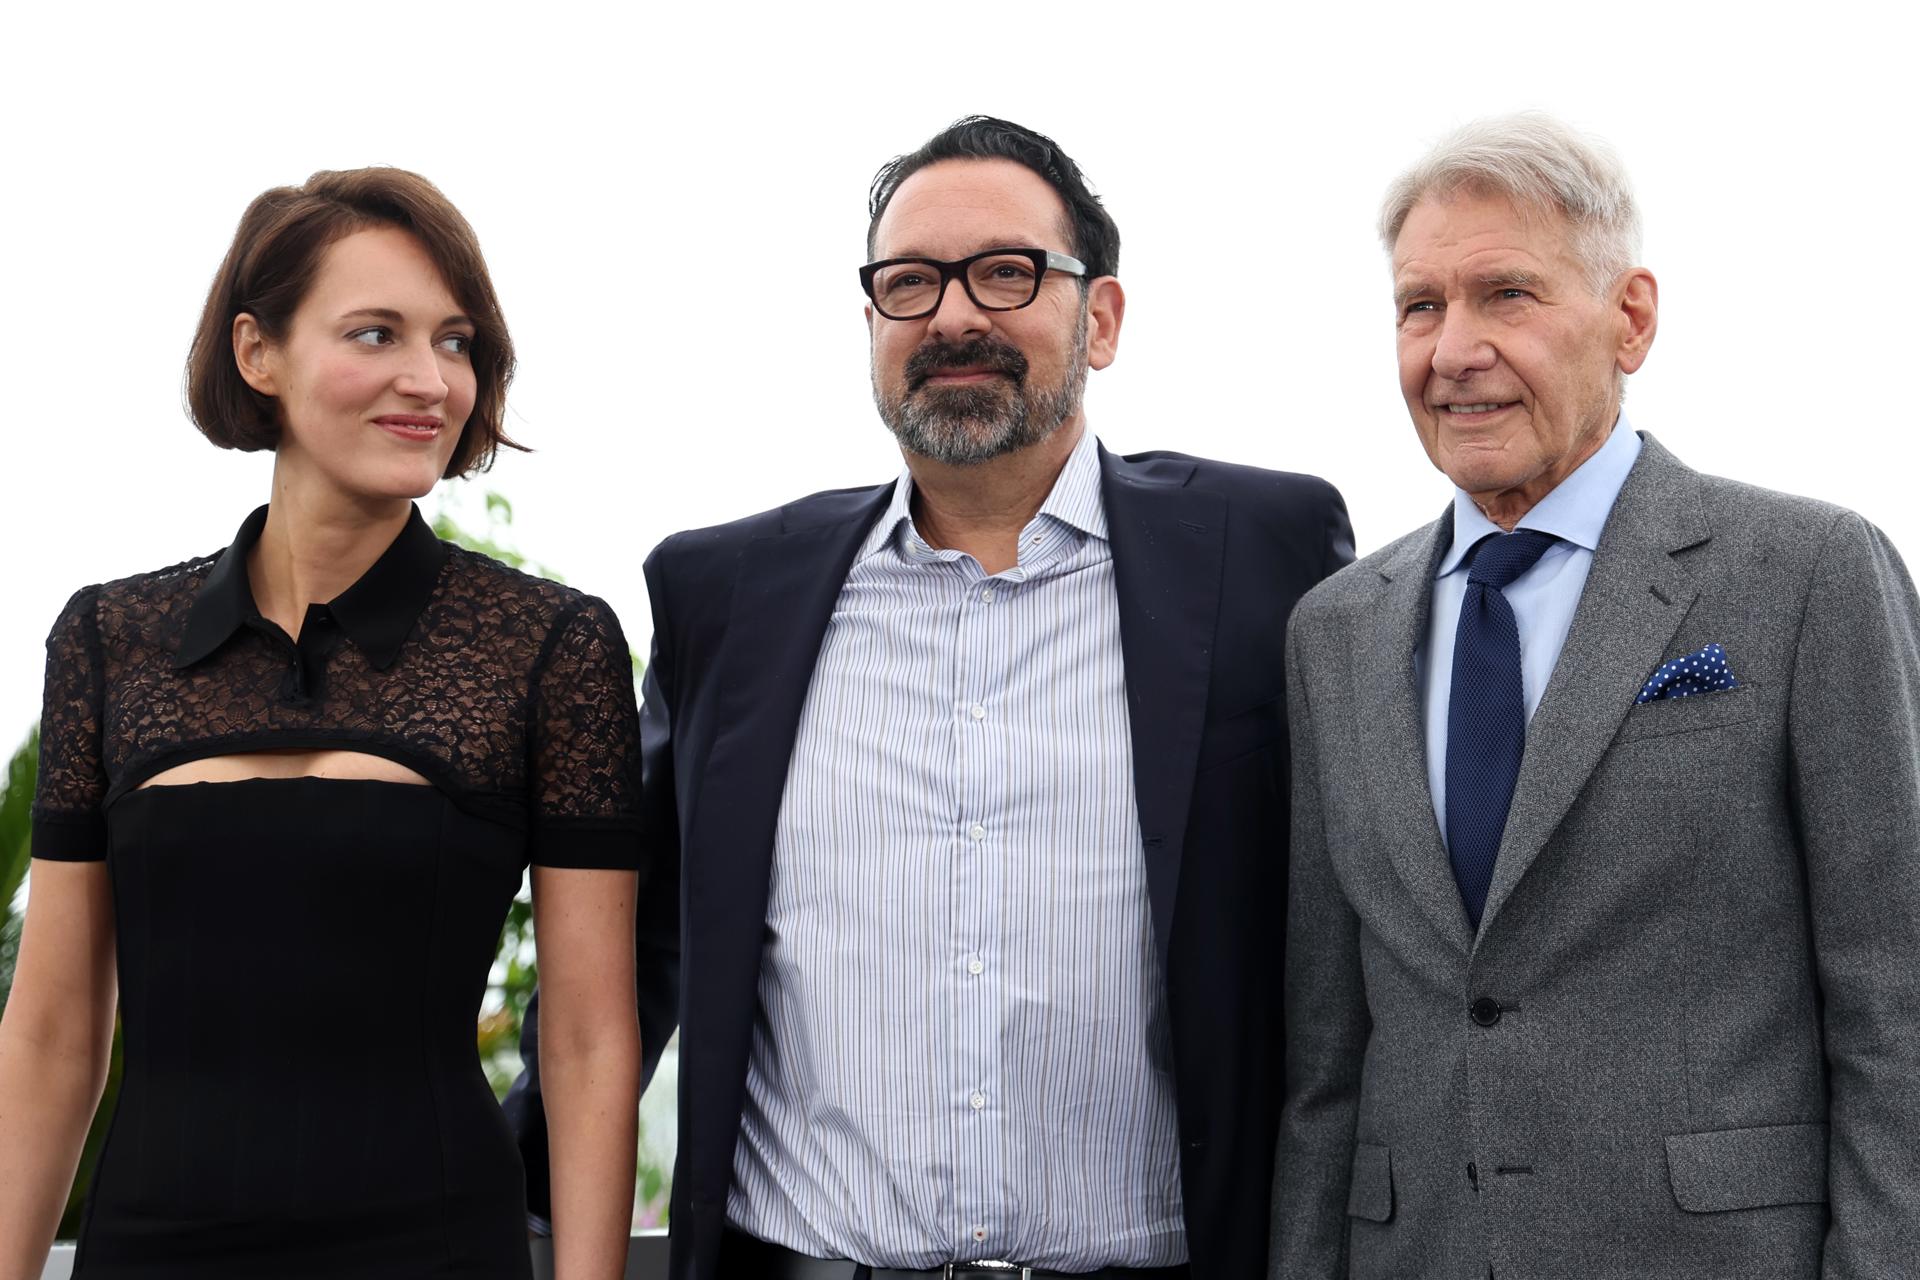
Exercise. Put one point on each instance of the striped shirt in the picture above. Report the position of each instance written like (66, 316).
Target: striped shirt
(962, 1048)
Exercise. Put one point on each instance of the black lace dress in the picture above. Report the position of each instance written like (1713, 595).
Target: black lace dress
(301, 960)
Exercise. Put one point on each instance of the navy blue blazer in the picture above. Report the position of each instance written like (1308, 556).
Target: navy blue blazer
(1209, 559)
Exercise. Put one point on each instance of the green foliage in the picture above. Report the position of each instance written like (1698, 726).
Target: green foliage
(16, 804)
(652, 1189)
(9, 954)
(492, 538)
(509, 988)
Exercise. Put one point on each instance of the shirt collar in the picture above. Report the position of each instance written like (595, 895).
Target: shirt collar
(376, 613)
(1575, 511)
(1074, 501)
(1075, 498)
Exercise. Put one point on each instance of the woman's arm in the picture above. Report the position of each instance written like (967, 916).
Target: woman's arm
(589, 1063)
(55, 1042)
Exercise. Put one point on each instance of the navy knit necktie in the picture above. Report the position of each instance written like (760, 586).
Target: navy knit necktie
(1487, 716)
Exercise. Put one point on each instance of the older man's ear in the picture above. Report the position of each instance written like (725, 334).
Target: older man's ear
(1639, 317)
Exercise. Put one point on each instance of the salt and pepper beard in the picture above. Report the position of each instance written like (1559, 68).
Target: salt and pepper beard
(974, 422)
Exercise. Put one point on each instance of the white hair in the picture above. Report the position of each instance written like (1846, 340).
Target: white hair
(1537, 162)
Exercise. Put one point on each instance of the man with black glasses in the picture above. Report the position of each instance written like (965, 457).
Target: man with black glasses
(978, 779)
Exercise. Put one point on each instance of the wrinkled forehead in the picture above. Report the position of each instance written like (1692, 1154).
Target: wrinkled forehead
(953, 208)
(1447, 224)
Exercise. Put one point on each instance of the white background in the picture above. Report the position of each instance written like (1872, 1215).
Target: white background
(672, 202)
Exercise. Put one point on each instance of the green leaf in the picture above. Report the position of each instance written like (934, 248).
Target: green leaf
(495, 539)
(16, 844)
(16, 815)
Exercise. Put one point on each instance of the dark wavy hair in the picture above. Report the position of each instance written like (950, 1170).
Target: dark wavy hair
(271, 265)
(1096, 240)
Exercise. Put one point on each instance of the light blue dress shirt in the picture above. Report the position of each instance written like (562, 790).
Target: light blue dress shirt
(1543, 598)
(962, 1048)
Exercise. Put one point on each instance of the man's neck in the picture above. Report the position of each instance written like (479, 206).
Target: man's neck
(1506, 507)
(980, 509)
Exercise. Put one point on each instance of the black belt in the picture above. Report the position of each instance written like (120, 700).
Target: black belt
(743, 1257)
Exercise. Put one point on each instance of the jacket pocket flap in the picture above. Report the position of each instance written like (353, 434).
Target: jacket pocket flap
(1370, 1193)
(1748, 1168)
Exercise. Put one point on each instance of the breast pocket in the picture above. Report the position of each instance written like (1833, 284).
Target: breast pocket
(1695, 714)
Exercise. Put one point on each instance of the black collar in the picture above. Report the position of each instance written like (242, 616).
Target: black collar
(377, 612)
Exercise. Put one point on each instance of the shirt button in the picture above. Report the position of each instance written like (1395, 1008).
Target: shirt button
(977, 1101)
(976, 966)
(977, 711)
(986, 595)
(977, 831)
(979, 1234)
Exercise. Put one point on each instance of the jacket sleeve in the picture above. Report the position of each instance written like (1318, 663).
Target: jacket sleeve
(1327, 1022)
(657, 941)
(1854, 732)
(1339, 535)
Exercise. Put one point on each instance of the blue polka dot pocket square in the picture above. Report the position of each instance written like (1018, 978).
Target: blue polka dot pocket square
(1702, 672)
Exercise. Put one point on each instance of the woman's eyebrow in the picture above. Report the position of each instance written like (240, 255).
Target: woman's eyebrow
(389, 314)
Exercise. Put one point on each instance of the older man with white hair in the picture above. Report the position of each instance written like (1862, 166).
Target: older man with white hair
(1604, 932)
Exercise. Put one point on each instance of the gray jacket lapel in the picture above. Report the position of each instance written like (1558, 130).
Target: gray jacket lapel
(1635, 598)
(1393, 729)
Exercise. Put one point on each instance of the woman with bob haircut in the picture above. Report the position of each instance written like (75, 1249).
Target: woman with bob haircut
(308, 772)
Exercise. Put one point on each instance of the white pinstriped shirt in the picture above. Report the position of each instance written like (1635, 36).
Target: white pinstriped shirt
(962, 1048)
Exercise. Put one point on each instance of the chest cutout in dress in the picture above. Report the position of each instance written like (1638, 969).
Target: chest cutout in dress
(285, 764)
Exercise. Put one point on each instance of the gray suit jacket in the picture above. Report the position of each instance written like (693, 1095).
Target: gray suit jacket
(1703, 932)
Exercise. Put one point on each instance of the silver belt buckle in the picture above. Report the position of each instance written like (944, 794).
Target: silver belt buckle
(948, 1271)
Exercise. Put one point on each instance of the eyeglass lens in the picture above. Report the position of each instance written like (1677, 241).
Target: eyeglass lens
(1000, 283)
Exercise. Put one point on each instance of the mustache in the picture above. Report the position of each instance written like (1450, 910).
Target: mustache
(980, 353)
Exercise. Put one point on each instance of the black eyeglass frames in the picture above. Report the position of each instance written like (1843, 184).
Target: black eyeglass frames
(996, 280)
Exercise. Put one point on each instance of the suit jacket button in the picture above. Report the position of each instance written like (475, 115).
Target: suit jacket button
(1485, 1011)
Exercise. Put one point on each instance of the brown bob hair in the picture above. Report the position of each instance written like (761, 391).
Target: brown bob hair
(275, 255)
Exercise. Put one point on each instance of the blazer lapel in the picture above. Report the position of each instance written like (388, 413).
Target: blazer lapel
(1169, 544)
(1393, 729)
(783, 597)
(1635, 598)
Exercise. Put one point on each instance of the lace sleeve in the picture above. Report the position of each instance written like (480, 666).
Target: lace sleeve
(584, 779)
(68, 825)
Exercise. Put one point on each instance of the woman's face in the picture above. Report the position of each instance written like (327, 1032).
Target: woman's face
(373, 375)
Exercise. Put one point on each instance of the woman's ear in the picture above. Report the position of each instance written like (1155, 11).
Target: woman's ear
(253, 355)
